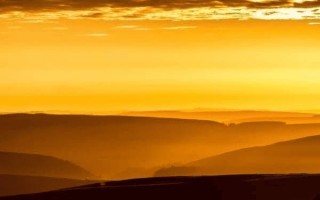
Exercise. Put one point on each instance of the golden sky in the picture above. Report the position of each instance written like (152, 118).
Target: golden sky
(108, 55)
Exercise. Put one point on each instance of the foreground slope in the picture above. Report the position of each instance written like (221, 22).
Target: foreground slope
(122, 147)
(39, 165)
(295, 156)
(17, 184)
(248, 187)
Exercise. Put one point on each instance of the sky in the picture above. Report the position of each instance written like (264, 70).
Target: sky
(96, 56)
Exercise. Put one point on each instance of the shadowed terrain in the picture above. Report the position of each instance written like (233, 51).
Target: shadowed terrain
(122, 147)
(296, 156)
(39, 165)
(234, 116)
(17, 184)
(248, 187)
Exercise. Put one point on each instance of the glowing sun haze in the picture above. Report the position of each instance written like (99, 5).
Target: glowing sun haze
(104, 55)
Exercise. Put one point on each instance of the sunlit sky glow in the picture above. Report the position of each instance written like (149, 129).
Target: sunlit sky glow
(101, 55)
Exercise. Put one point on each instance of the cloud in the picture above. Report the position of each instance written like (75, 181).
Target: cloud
(159, 9)
(126, 27)
(97, 34)
(143, 29)
(53, 5)
(179, 27)
(307, 4)
(58, 28)
(132, 27)
(314, 23)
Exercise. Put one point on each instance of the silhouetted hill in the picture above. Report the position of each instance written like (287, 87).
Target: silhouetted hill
(234, 116)
(39, 165)
(105, 145)
(247, 187)
(295, 156)
(110, 146)
(288, 120)
(16, 184)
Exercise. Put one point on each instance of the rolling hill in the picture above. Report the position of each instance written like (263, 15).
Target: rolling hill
(121, 147)
(39, 165)
(233, 116)
(295, 156)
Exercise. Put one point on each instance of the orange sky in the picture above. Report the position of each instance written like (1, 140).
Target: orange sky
(76, 64)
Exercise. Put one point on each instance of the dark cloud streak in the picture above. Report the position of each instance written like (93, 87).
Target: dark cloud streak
(55, 5)
(308, 4)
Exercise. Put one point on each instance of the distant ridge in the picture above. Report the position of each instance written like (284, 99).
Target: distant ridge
(40, 165)
(233, 116)
(111, 146)
(294, 156)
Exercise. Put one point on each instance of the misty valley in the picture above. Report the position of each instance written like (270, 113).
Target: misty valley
(140, 155)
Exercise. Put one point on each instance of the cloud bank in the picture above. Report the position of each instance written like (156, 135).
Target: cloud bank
(146, 9)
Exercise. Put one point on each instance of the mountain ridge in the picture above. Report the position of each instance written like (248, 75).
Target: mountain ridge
(293, 156)
(40, 165)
